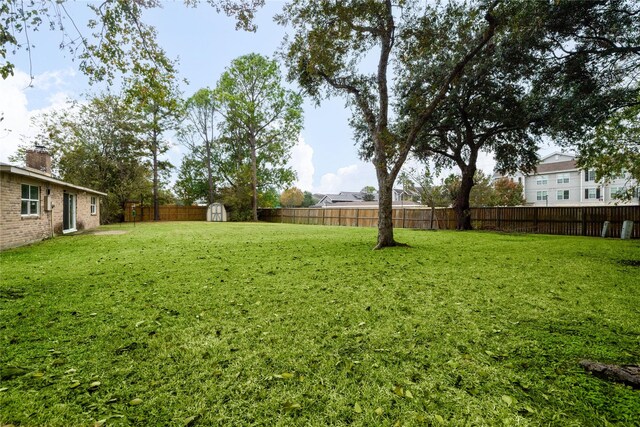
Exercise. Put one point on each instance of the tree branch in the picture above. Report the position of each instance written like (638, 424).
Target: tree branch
(455, 73)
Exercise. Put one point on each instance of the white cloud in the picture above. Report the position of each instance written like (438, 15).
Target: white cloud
(13, 110)
(53, 80)
(14, 106)
(349, 178)
(302, 162)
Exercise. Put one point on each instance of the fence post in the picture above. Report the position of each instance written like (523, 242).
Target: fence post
(357, 216)
(404, 214)
(433, 212)
(583, 212)
(535, 219)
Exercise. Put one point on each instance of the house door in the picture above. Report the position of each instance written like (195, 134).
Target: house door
(69, 212)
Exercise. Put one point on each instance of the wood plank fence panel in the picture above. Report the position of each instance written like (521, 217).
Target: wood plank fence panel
(572, 221)
(167, 213)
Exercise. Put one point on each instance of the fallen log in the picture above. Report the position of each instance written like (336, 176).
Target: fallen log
(626, 374)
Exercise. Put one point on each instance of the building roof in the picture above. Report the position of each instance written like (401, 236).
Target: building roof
(372, 205)
(35, 174)
(557, 155)
(556, 166)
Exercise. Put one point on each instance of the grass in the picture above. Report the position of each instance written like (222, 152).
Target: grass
(197, 324)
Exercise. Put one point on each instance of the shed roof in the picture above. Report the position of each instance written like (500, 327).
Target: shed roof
(32, 173)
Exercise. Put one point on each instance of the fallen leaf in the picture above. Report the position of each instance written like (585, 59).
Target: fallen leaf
(398, 390)
(508, 400)
(529, 409)
(4, 389)
(100, 423)
(70, 371)
(290, 406)
(439, 419)
(37, 375)
(357, 409)
(379, 410)
(135, 401)
(408, 394)
(287, 375)
(94, 385)
(74, 384)
(189, 421)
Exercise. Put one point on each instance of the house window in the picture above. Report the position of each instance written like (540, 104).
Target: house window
(562, 178)
(542, 180)
(592, 193)
(589, 175)
(93, 205)
(616, 192)
(562, 195)
(621, 175)
(541, 195)
(30, 202)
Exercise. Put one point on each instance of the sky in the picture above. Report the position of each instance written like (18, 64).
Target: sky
(204, 42)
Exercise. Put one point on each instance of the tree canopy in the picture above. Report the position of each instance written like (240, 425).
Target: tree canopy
(292, 198)
(493, 108)
(116, 41)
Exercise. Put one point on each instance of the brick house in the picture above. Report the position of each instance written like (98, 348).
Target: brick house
(35, 206)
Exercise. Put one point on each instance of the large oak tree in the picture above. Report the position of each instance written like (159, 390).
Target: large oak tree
(332, 44)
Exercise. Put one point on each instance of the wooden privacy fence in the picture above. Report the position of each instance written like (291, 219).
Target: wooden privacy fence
(573, 221)
(167, 212)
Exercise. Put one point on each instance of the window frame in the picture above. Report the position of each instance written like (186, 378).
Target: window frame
(542, 195)
(588, 193)
(589, 175)
(563, 178)
(29, 200)
(93, 205)
(542, 180)
(562, 195)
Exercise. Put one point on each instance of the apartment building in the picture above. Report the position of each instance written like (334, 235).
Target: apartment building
(558, 181)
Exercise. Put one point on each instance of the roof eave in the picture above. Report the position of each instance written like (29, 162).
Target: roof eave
(24, 172)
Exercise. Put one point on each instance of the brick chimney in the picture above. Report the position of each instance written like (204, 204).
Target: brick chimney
(39, 159)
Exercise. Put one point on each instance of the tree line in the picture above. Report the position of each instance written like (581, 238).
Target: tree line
(451, 80)
(238, 138)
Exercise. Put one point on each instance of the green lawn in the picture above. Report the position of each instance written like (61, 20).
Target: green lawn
(267, 324)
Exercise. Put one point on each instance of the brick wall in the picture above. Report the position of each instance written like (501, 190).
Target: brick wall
(18, 230)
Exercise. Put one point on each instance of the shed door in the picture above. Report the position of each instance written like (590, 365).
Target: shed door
(69, 212)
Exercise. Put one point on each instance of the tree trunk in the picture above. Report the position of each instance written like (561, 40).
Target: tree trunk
(209, 172)
(254, 178)
(385, 213)
(626, 374)
(461, 206)
(156, 205)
